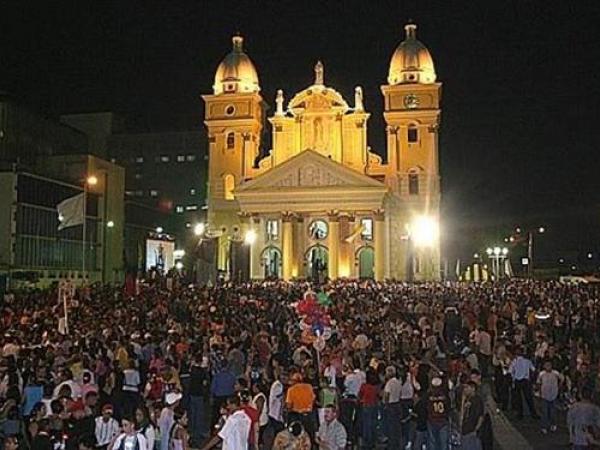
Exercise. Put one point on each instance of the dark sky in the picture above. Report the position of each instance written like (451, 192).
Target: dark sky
(521, 97)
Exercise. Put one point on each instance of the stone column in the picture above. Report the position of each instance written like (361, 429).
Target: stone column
(333, 242)
(257, 272)
(379, 244)
(299, 247)
(346, 259)
(287, 245)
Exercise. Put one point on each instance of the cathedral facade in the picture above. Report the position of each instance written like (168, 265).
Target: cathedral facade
(321, 203)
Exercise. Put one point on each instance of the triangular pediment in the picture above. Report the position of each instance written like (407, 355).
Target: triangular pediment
(307, 170)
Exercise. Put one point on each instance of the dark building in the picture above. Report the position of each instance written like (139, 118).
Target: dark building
(166, 170)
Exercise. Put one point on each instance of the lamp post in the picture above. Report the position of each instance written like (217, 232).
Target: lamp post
(497, 255)
(530, 235)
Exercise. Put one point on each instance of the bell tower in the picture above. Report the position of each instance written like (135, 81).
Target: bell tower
(412, 114)
(234, 121)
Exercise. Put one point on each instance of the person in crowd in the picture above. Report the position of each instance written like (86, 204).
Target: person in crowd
(332, 434)
(392, 408)
(106, 427)
(471, 417)
(235, 432)
(583, 418)
(130, 438)
(438, 414)
(368, 396)
(549, 381)
(178, 436)
(167, 418)
(521, 371)
(294, 437)
(299, 401)
(145, 426)
(197, 404)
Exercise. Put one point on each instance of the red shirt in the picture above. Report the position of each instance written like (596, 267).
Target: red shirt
(368, 394)
(253, 414)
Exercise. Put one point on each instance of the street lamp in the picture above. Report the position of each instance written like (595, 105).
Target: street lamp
(92, 180)
(159, 230)
(497, 255)
(250, 237)
(199, 229)
(110, 224)
(425, 231)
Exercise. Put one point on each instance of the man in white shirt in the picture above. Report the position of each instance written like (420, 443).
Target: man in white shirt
(236, 431)
(392, 408)
(276, 399)
(353, 381)
(549, 381)
(106, 427)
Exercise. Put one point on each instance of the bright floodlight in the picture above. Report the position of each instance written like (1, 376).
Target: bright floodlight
(199, 229)
(250, 237)
(541, 229)
(159, 230)
(179, 265)
(497, 251)
(92, 180)
(110, 224)
(489, 251)
(590, 255)
(425, 231)
(505, 251)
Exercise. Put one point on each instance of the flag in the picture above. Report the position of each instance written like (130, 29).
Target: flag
(70, 211)
(358, 229)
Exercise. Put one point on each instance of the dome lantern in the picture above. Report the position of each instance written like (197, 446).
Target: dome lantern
(411, 62)
(236, 74)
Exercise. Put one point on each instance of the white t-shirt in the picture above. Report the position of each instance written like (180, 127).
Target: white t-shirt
(393, 387)
(235, 431)
(130, 443)
(549, 384)
(276, 401)
(131, 380)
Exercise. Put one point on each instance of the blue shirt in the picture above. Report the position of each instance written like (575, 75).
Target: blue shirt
(33, 394)
(521, 368)
(223, 384)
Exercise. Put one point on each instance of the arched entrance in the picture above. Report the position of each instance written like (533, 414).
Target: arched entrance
(316, 258)
(271, 262)
(366, 263)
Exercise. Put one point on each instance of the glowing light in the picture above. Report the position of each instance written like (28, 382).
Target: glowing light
(178, 254)
(561, 260)
(505, 251)
(542, 229)
(199, 229)
(476, 255)
(518, 230)
(489, 251)
(179, 265)
(590, 255)
(425, 231)
(497, 251)
(110, 224)
(92, 180)
(250, 237)
(159, 230)
(61, 217)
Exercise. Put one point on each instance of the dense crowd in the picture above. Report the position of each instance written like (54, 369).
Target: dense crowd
(174, 367)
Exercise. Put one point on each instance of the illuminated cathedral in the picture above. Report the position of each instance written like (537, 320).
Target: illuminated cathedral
(320, 203)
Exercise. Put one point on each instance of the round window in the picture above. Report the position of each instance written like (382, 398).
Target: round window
(230, 110)
(318, 230)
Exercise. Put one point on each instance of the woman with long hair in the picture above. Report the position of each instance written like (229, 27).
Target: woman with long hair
(145, 426)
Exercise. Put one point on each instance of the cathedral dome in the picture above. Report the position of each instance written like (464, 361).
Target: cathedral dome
(236, 73)
(411, 62)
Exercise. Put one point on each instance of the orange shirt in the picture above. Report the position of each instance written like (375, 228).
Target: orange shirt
(300, 398)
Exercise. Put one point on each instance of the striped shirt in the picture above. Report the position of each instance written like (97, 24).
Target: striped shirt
(106, 430)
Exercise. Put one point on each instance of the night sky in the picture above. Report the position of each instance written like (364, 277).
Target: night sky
(521, 97)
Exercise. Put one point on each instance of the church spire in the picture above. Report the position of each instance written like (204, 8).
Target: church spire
(319, 73)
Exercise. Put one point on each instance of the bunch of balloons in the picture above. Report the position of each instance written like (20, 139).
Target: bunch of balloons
(315, 321)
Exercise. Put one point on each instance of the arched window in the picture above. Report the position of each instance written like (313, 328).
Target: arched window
(413, 134)
(228, 186)
(413, 183)
(230, 140)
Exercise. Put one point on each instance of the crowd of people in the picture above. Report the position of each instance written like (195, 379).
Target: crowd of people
(404, 365)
